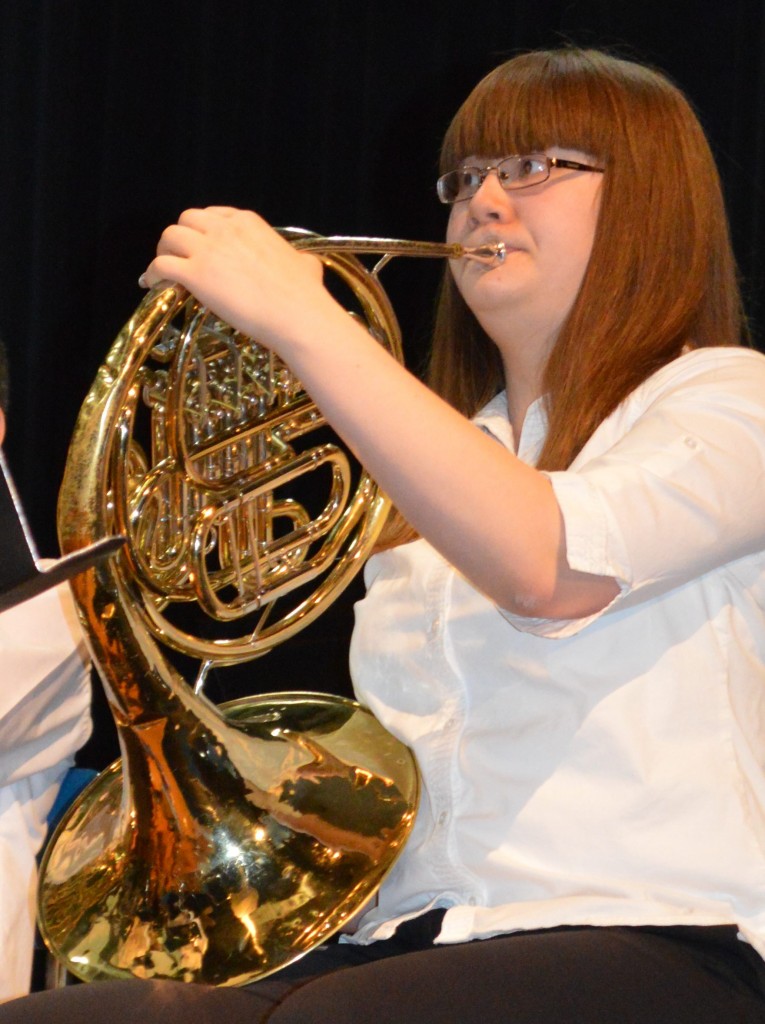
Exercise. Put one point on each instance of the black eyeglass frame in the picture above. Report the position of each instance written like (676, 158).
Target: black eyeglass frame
(483, 173)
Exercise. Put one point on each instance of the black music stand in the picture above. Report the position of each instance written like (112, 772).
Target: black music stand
(20, 575)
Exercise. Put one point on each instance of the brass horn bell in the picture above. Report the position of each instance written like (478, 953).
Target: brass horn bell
(226, 842)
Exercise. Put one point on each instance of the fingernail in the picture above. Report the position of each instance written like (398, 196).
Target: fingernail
(142, 282)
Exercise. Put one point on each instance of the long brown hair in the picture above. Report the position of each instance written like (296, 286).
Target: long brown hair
(661, 275)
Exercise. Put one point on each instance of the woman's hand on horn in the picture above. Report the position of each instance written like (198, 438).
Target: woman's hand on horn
(234, 263)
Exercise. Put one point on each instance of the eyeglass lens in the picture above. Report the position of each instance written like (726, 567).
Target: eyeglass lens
(513, 172)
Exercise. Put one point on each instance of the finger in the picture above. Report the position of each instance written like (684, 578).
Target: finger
(193, 217)
(202, 219)
(178, 240)
(163, 268)
(224, 211)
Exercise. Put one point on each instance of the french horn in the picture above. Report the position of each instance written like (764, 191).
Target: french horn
(227, 841)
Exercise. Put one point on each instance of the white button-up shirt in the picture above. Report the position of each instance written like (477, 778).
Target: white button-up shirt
(608, 770)
(44, 719)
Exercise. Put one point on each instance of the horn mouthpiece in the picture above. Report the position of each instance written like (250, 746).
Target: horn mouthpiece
(489, 255)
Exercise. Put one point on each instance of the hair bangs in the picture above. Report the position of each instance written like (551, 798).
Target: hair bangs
(536, 101)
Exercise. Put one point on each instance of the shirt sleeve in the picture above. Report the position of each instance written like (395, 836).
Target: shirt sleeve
(45, 697)
(679, 493)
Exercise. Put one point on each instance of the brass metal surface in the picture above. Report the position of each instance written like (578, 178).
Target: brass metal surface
(257, 863)
(225, 842)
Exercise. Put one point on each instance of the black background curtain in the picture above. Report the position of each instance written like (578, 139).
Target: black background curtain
(117, 114)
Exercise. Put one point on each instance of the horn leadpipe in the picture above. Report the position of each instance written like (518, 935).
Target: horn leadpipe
(491, 254)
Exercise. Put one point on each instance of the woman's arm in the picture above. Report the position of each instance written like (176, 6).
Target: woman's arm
(493, 517)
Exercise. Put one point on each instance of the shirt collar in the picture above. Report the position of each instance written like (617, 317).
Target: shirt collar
(494, 420)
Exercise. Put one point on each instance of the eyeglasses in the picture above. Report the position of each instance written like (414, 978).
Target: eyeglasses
(512, 172)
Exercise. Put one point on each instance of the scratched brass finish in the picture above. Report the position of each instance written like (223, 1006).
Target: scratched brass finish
(242, 870)
(225, 842)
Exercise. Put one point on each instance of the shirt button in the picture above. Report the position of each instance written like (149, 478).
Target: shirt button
(472, 901)
(442, 818)
(691, 442)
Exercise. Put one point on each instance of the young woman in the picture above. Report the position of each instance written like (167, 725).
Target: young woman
(569, 633)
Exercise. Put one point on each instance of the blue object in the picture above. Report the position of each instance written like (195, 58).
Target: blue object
(75, 780)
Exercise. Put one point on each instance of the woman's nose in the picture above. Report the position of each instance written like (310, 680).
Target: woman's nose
(491, 200)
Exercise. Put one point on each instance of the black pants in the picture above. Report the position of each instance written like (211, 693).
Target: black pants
(562, 975)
